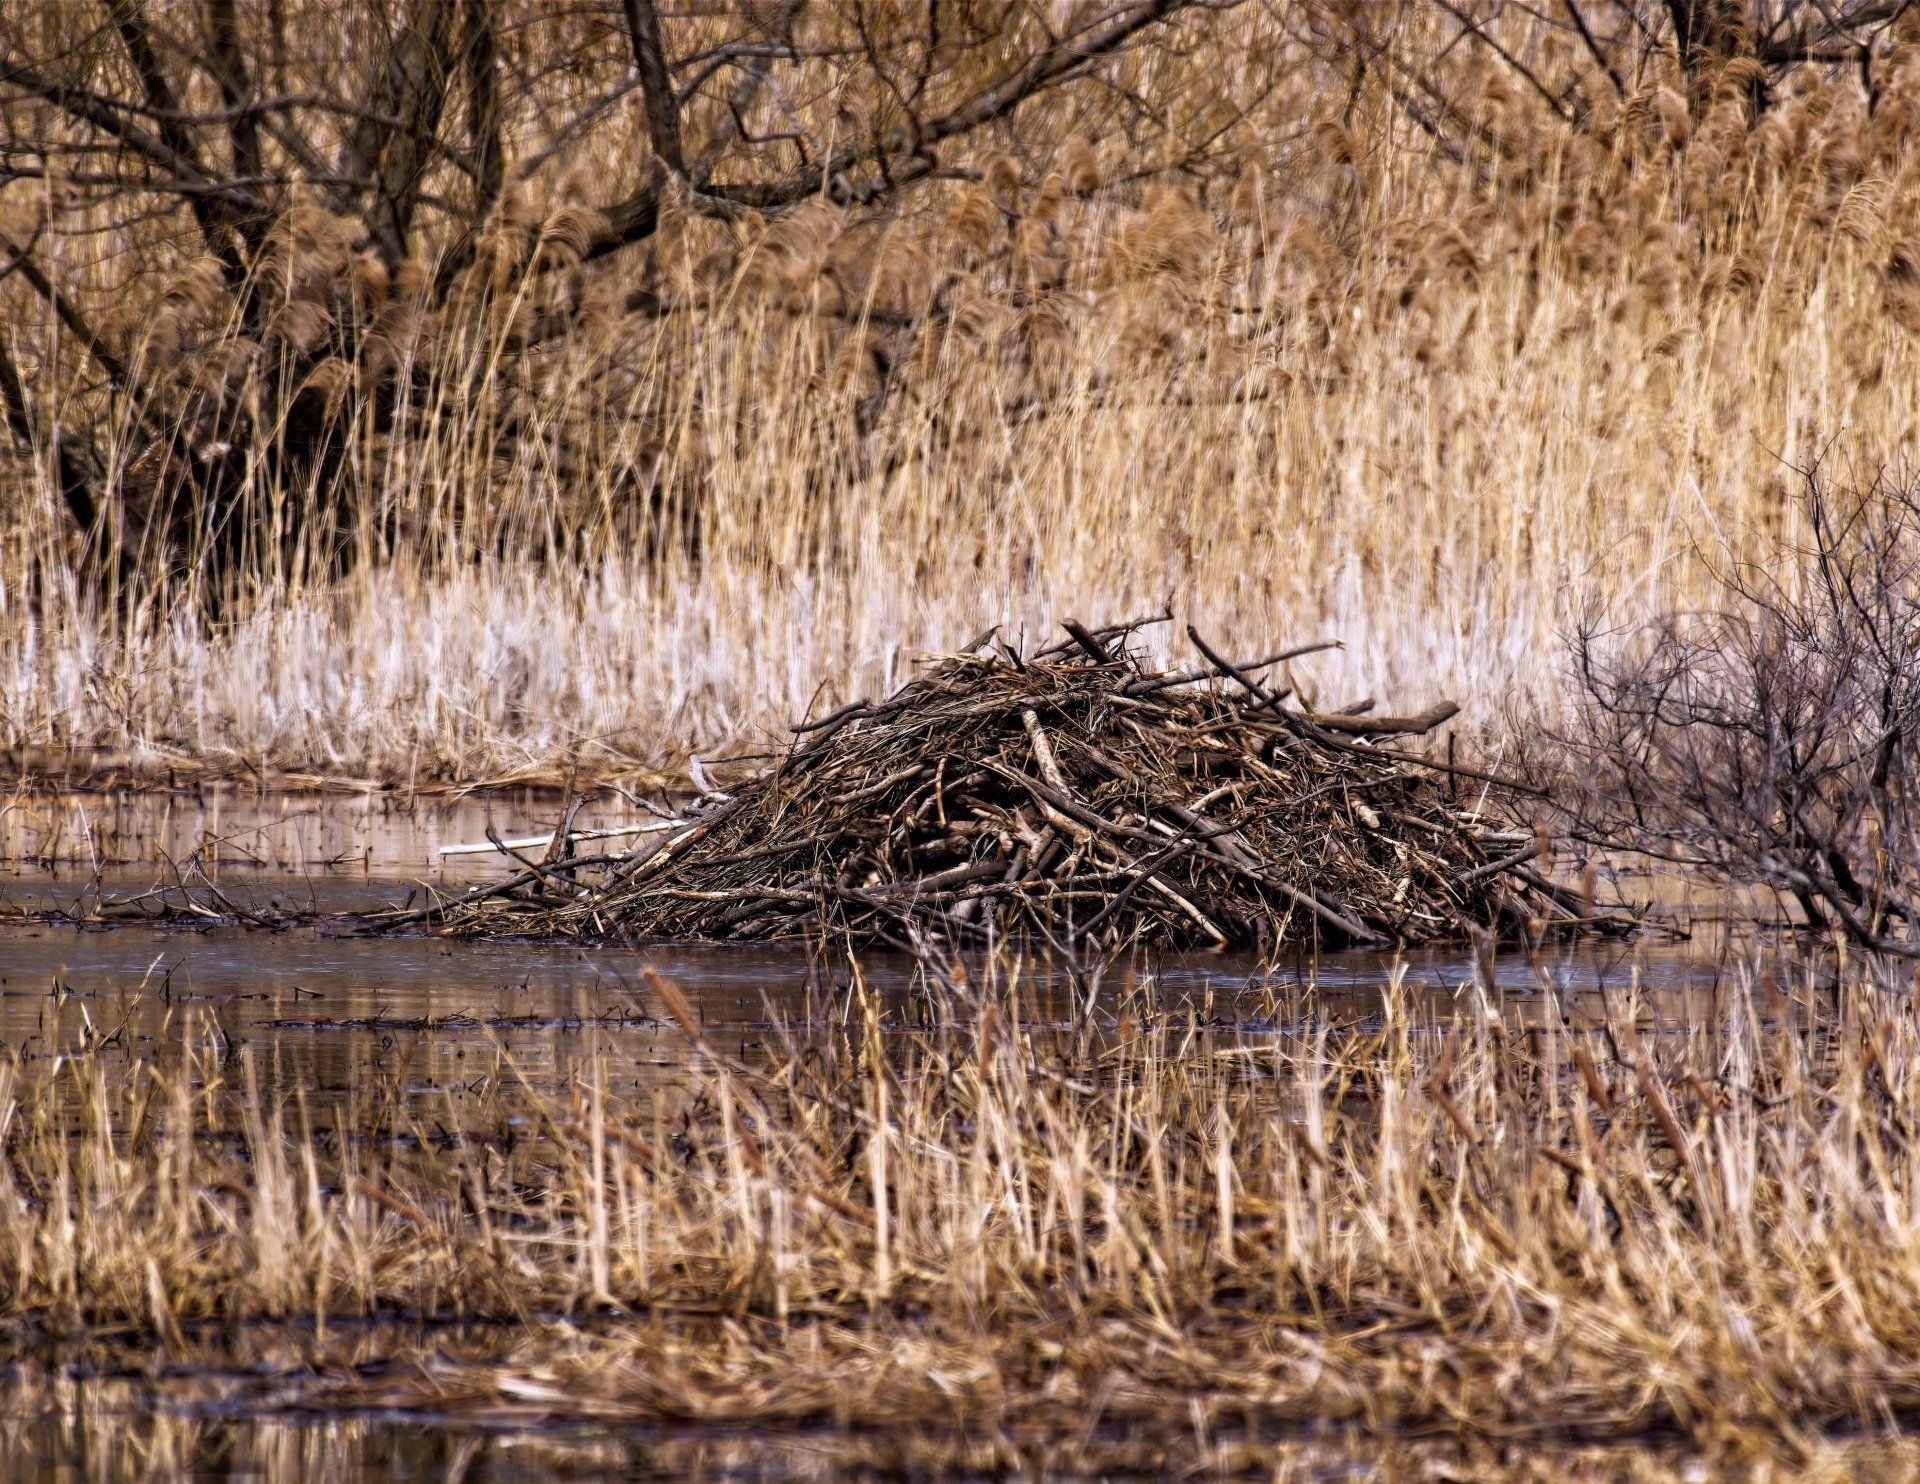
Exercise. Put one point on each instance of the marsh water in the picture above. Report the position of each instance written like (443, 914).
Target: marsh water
(321, 1010)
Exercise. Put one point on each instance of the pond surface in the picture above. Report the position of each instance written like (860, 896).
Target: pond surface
(329, 1001)
(322, 1012)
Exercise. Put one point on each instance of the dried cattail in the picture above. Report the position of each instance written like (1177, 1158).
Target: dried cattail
(1249, 190)
(1587, 247)
(497, 259)
(1903, 263)
(121, 324)
(1902, 284)
(367, 282)
(1448, 248)
(902, 271)
(200, 286)
(570, 233)
(976, 317)
(1048, 200)
(747, 229)
(1173, 235)
(158, 337)
(298, 225)
(974, 220)
(1891, 129)
(1818, 97)
(301, 325)
(237, 357)
(1737, 78)
(379, 359)
(1335, 140)
(1863, 210)
(517, 209)
(807, 233)
(1778, 139)
(1656, 273)
(1001, 176)
(411, 279)
(1030, 244)
(1866, 359)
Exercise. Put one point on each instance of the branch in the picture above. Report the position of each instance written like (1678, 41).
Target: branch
(481, 59)
(243, 130)
(779, 29)
(76, 484)
(411, 89)
(650, 61)
(77, 326)
(1594, 48)
(484, 112)
(903, 155)
(1486, 39)
(103, 114)
(216, 223)
(1105, 36)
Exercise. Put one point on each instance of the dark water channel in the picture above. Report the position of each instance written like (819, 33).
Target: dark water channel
(321, 1011)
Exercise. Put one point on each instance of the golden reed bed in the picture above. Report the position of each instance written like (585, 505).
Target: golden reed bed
(1307, 324)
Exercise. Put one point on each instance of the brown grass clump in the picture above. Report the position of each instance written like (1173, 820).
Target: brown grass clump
(1004, 1235)
(1078, 794)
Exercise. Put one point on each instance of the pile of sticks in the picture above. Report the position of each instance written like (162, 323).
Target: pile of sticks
(1077, 794)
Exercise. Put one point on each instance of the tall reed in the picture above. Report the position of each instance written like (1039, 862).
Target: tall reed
(1318, 381)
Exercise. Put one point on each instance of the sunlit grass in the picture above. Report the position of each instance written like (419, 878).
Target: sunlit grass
(1355, 392)
(1135, 1233)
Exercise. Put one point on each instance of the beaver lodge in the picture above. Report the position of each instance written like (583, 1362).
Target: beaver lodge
(1078, 795)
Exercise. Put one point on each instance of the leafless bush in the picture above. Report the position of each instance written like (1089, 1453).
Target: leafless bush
(1773, 740)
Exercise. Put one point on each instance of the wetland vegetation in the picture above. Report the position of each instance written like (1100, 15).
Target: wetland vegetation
(1573, 1217)
(434, 422)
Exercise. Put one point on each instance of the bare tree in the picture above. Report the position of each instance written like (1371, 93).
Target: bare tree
(1559, 51)
(304, 168)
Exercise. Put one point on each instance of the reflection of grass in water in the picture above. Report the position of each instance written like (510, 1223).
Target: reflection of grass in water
(97, 1431)
(108, 1431)
(112, 1431)
(1152, 1240)
(461, 1020)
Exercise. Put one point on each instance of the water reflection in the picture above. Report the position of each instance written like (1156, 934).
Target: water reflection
(325, 1013)
(207, 1427)
(328, 1016)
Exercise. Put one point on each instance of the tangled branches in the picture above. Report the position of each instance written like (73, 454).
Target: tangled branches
(1074, 794)
(1773, 741)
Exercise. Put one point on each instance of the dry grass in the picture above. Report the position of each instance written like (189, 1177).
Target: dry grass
(1002, 1232)
(1327, 383)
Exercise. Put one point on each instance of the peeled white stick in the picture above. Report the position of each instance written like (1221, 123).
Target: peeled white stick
(534, 842)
